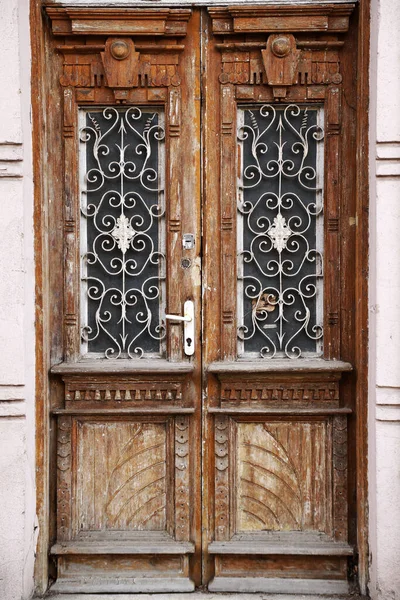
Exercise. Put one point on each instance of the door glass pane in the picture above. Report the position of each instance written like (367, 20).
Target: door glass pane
(280, 231)
(122, 231)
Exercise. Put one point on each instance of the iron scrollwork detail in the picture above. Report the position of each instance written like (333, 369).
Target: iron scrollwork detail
(280, 233)
(123, 214)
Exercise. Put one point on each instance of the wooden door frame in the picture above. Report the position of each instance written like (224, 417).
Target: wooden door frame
(43, 86)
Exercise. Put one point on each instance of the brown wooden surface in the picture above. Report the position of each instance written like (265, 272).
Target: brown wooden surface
(258, 484)
(124, 461)
(361, 323)
(248, 415)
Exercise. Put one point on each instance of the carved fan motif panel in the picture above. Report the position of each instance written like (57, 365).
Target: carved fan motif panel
(283, 477)
(121, 476)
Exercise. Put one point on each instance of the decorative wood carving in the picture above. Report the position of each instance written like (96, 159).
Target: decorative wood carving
(252, 64)
(332, 295)
(174, 292)
(222, 481)
(340, 477)
(105, 393)
(283, 389)
(259, 393)
(228, 219)
(113, 60)
(64, 479)
(280, 62)
(121, 476)
(71, 301)
(182, 480)
(314, 446)
(156, 67)
(121, 66)
(283, 476)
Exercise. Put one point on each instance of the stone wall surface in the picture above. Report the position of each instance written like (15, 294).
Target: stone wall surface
(384, 422)
(17, 502)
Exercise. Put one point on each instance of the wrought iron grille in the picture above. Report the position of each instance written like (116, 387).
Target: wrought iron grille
(122, 232)
(280, 231)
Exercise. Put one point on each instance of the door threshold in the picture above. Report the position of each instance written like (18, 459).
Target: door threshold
(204, 596)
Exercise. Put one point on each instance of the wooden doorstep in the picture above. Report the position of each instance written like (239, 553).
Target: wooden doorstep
(287, 543)
(126, 547)
(122, 585)
(123, 367)
(305, 365)
(272, 585)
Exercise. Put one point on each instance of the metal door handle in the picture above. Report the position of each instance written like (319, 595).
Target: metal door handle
(188, 329)
(178, 318)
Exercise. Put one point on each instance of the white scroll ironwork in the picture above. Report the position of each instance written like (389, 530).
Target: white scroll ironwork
(122, 232)
(280, 231)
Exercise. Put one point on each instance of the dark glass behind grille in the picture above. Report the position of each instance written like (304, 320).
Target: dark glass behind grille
(279, 148)
(123, 182)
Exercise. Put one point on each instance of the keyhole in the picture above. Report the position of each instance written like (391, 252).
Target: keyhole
(189, 342)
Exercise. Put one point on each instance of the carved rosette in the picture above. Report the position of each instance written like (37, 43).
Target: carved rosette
(64, 478)
(182, 481)
(222, 478)
(340, 477)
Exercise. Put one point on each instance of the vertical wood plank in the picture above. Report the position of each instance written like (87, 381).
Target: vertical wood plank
(228, 221)
(71, 228)
(332, 287)
(362, 197)
(174, 222)
(340, 477)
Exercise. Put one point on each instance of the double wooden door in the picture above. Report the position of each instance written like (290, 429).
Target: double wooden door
(203, 179)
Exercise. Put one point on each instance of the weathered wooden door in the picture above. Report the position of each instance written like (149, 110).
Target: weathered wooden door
(203, 396)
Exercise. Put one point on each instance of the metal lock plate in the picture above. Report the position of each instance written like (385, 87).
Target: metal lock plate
(188, 241)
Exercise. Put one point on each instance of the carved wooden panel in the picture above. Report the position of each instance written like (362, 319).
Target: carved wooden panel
(124, 393)
(64, 478)
(283, 476)
(340, 460)
(121, 476)
(182, 479)
(222, 478)
(256, 393)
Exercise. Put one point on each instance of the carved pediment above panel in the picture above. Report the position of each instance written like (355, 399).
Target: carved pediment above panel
(281, 47)
(145, 65)
(118, 50)
(304, 63)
